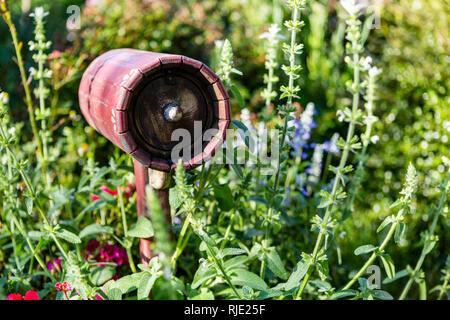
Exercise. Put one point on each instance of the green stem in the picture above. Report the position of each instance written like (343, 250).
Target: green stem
(6, 14)
(373, 256)
(443, 289)
(431, 232)
(222, 270)
(227, 232)
(295, 17)
(43, 120)
(125, 228)
(32, 248)
(179, 248)
(342, 163)
(32, 192)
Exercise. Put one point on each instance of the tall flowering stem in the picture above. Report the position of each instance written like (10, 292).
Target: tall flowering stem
(41, 92)
(329, 200)
(366, 137)
(6, 15)
(430, 238)
(290, 92)
(214, 253)
(271, 64)
(7, 138)
(5, 143)
(397, 227)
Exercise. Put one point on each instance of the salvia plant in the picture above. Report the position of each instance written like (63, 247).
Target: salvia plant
(236, 229)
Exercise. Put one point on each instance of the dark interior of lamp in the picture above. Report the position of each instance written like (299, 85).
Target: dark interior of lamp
(169, 89)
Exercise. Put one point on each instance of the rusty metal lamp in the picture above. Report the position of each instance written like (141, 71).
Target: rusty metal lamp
(136, 99)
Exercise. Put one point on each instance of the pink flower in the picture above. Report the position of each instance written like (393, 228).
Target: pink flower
(110, 253)
(92, 245)
(97, 297)
(64, 287)
(108, 190)
(54, 264)
(104, 189)
(129, 190)
(31, 295)
(14, 296)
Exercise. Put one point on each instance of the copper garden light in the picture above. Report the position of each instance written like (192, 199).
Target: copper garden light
(136, 99)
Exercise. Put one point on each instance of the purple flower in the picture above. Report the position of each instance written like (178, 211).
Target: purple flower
(176, 220)
(330, 146)
(55, 264)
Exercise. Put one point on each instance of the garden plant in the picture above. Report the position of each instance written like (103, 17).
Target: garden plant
(353, 204)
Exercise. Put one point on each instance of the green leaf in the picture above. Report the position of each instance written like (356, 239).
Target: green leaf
(100, 275)
(128, 283)
(322, 268)
(275, 264)
(115, 294)
(203, 274)
(93, 229)
(96, 205)
(67, 236)
(145, 285)
(388, 264)
(364, 249)
(398, 275)
(381, 294)
(387, 221)
(243, 277)
(238, 170)
(239, 125)
(29, 205)
(344, 293)
(175, 200)
(142, 229)
(232, 252)
(235, 262)
(237, 95)
(224, 197)
(244, 133)
(399, 232)
(429, 245)
(297, 275)
(202, 294)
(117, 182)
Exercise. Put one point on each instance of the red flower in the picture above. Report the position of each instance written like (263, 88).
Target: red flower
(104, 189)
(129, 190)
(108, 190)
(14, 296)
(64, 287)
(31, 295)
